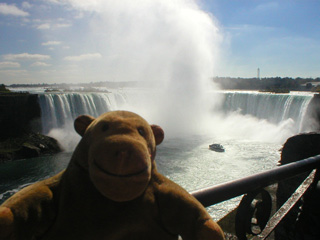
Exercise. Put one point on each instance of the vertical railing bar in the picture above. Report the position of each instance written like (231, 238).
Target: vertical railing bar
(286, 207)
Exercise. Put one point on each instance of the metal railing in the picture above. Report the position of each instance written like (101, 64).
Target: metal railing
(255, 208)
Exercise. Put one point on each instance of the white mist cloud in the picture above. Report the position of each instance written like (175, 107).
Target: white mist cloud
(67, 137)
(172, 43)
(149, 39)
(13, 10)
(237, 126)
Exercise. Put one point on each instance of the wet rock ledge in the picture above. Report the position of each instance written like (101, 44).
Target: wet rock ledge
(28, 145)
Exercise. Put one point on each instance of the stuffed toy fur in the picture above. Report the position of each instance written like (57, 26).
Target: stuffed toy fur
(110, 190)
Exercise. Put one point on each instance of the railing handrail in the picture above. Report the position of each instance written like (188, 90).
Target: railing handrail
(225, 191)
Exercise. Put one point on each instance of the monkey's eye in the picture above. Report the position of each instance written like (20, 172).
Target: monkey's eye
(105, 127)
(141, 131)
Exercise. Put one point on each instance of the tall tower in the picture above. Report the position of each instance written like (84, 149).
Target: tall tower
(258, 73)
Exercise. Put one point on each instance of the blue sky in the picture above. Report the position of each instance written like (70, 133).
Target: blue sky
(52, 41)
(280, 37)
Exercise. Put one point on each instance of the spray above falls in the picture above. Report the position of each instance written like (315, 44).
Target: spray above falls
(173, 44)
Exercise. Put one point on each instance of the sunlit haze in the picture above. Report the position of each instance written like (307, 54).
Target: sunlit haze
(88, 41)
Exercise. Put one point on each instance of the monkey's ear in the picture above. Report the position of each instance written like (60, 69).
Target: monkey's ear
(158, 133)
(81, 123)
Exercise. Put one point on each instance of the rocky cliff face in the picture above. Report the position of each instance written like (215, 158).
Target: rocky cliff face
(19, 113)
(296, 148)
(313, 114)
(20, 124)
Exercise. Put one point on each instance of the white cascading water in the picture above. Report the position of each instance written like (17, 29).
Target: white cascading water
(253, 113)
(275, 108)
(60, 110)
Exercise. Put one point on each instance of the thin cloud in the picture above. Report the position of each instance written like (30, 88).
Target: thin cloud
(83, 57)
(62, 25)
(249, 28)
(269, 6)
(44, 26)
(26, 5)
(14, 72)
(40, 64)
(51, 43)
(26, 56)
(9, 65)
(6, 9)
(54, 1)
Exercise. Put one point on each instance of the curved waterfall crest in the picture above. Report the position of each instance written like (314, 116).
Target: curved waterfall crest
(60, 109)
(275, 108)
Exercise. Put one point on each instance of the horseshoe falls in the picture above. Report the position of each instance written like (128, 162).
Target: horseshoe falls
(60, 109)
(275, 108)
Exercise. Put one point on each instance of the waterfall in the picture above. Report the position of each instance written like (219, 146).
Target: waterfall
(275, 108)
(60, 109)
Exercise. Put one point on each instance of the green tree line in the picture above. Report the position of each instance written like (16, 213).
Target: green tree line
(269, 84)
